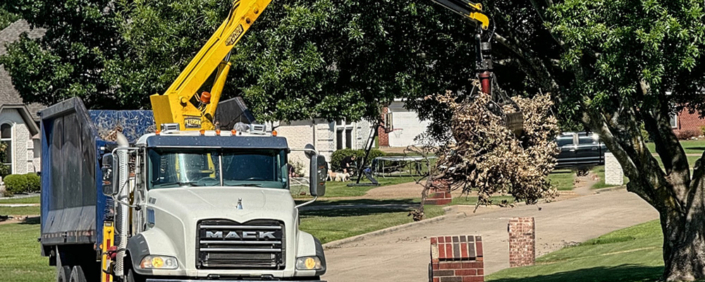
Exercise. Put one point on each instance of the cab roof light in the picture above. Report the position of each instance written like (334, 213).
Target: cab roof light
(217, 132)
(274, 133)
(205, 97)
(233, 132)
(202, 131)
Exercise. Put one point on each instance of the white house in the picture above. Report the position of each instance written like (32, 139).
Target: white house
(326, 136)
(20, 135)
(19, 129)
(403, 126)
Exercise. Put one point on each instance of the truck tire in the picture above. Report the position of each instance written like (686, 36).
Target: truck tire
(63, 273)
(77, 274)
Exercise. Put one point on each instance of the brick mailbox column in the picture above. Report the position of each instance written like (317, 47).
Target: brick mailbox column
(456, 259)
(522, 241)
(439, 194)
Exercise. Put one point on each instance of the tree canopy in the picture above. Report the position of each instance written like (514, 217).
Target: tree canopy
(68, 61)
(302, 59)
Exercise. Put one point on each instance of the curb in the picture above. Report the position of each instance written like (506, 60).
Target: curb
(21, 196)
(361, 237)
(603, 190)
(19, 205)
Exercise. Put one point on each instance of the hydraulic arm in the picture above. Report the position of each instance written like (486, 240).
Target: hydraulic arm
(467, 9)
(483, 61)
(182, 103)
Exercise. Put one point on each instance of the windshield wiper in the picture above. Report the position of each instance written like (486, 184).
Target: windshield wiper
(249, 185)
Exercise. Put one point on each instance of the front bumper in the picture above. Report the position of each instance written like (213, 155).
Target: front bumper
(186, 280)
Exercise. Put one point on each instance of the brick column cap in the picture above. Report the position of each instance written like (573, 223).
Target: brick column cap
(456, 248)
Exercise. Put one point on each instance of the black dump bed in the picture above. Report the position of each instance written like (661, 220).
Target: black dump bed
(73, 141)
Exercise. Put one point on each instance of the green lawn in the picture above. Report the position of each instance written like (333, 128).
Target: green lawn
(341, 189)
(472, 200)
(19, 210)
(25, 200)
(630, 254)
(691, 160)
(562, 179)
(20, 257)
(690, 146)
(335, 224)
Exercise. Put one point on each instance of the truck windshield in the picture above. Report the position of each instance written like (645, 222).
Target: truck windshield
(170, 168)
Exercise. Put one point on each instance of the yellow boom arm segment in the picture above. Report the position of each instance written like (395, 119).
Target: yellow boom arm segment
(181, 103)
(467, 9)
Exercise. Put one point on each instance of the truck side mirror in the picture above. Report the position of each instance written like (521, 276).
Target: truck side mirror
(318, 174)
(109, 174)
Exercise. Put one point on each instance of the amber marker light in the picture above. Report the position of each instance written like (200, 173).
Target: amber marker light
(233, 132)
(158, 132)
(217, 132)
(274, 133)
(202, 131)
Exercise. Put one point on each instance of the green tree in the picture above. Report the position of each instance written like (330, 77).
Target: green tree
(69, 60)
(6, 18)
(634, 63)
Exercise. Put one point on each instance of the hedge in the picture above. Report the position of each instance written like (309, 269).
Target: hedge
(33, 182)
(339, 155)
(16, 183)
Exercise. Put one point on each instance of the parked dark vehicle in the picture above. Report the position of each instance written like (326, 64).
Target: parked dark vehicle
(580, 151)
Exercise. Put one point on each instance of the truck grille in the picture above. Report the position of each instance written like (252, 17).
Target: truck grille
(226, 244)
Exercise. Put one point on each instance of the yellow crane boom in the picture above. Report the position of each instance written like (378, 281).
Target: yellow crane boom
(181, 103)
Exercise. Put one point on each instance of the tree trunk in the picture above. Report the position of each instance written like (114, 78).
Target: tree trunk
(684, 238)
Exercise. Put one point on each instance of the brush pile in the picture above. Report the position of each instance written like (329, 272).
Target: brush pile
(488, 157)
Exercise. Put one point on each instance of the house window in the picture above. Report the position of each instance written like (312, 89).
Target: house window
(339, 139)
(674, 120)
(348, 138)
(6, 139)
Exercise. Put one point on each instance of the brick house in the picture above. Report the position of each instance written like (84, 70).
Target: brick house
(19, 123)
(685, 121)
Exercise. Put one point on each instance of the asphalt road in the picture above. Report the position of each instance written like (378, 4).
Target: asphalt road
(404, 255)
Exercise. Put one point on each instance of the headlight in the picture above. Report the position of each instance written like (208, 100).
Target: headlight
(159, 262)
(308, 263)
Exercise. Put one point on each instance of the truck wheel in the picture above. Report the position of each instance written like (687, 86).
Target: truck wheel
(63, 273)
(77, 274)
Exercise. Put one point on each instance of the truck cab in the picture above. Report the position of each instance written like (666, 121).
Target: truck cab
(580, 151)
(210, 205)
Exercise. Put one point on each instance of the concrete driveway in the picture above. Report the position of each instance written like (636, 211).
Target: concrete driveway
(404, 255)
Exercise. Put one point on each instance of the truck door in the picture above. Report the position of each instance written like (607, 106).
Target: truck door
(588, 151)
(566, 157)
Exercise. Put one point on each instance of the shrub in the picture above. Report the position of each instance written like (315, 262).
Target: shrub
(687, 134)
(339, 155)
(16, 183)
(702, 130)
(4, 169)
(33, 182)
